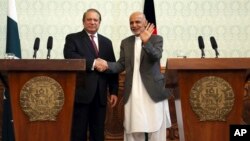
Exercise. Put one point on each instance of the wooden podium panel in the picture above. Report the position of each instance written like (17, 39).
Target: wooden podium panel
(191, 70)
(62, 72)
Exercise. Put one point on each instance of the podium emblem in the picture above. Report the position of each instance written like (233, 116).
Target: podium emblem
(41, 98)
(212, 98)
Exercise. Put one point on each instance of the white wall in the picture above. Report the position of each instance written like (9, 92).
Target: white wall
(180, 22)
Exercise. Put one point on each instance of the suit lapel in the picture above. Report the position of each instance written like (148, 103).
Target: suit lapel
(142, 54)
(100, 45)
(87, 43)
(131, 48)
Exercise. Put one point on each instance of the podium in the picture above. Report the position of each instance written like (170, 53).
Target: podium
(42, 96)
(210, 95)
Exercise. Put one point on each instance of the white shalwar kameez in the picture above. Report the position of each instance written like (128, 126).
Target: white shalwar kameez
(142, 114)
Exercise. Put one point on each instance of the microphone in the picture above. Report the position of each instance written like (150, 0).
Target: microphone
(36, 47)
(214, 46)
(49, 46)
(201, 46)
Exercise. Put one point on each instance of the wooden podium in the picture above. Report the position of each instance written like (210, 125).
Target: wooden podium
(210, 96)
(42, 96)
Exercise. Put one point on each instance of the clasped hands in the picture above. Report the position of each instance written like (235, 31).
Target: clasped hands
(101, 65)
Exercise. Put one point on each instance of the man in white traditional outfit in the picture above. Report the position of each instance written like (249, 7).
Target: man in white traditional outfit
(145, 95)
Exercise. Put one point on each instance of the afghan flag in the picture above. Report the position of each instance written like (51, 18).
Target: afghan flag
(149, 11)
(12, 46)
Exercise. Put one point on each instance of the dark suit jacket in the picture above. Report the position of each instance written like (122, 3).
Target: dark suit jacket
(151, 76)
(78, 46)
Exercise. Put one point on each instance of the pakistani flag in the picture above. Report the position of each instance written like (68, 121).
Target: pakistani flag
(13, 41)
(12, 46)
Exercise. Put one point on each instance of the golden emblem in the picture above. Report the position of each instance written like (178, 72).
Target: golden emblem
(212, 98)
(41, 98)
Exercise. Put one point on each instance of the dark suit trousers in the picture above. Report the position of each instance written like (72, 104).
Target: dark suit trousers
(88, 116)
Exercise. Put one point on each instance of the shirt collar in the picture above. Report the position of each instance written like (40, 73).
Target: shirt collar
(95, 35)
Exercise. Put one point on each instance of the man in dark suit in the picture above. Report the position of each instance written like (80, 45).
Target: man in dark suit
(145, 96)
(91, 86)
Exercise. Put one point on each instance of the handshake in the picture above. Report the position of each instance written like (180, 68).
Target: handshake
(101, 65)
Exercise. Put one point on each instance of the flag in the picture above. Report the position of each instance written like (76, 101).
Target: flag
(13, 41)
(12, 46)
(149, 12)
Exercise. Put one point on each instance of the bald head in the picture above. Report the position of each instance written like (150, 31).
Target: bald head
(137, 14)
(137, 22)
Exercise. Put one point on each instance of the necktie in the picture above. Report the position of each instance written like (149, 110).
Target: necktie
(94, 45)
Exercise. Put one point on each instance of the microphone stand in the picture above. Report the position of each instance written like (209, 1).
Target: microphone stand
(34, 56)
(48, 55)
(216, 53)
(202, 53)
